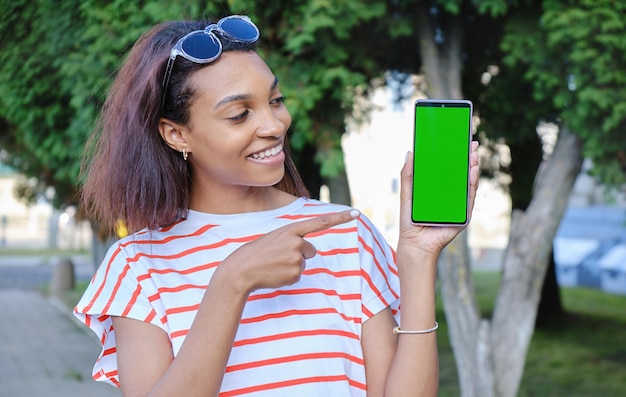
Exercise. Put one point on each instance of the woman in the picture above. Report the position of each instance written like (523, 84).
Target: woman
(236, 283)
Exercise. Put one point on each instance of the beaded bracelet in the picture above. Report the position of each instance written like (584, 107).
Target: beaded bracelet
(398, 330)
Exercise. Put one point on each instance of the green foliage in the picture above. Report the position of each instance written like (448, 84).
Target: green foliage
(574, 58)
(58, 60)
(36, 40)
(310, 46)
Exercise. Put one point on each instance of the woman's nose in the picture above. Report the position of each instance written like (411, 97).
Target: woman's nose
(273, 122)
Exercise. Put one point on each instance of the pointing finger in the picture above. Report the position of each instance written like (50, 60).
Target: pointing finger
(324, 222)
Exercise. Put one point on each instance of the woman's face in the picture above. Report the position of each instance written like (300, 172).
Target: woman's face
(238, 124)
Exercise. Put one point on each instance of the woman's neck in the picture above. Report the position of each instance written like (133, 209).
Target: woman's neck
(238, 201)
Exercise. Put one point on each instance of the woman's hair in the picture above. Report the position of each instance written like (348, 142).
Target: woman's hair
(131, 174)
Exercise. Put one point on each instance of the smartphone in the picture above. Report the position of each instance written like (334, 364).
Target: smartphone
(442, 140)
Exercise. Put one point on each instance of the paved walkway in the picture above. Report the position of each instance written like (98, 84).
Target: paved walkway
(43, 351)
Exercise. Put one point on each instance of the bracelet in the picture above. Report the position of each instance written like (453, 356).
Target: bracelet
(398, 330)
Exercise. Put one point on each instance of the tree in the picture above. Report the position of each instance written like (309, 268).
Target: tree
(325, 53)
(570, 79)
(452, 65)
(585, 41)
(34, 100)
(73, 51)
(539, 44)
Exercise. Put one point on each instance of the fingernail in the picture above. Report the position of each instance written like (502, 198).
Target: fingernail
(355, 213)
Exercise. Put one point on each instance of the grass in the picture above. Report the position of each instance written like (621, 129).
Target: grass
(71, 298)
(581, 355)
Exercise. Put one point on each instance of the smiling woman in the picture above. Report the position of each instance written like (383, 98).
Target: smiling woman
(237, 121)
(233, 282)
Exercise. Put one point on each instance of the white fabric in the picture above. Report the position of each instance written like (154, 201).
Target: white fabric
(298, 340)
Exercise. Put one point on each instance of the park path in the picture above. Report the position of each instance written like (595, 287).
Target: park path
(43, 349)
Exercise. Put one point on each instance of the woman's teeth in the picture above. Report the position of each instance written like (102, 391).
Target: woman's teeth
(268, 153)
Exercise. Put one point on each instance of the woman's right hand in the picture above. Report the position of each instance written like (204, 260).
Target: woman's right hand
(279, 257)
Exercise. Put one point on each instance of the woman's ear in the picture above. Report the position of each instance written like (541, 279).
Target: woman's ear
(173, 134)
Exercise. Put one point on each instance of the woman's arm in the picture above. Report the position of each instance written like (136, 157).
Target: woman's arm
(408, 364)
(405, 365)
(145, 362)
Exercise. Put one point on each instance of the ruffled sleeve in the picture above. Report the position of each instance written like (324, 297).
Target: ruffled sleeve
(113, 291)
(380, 282)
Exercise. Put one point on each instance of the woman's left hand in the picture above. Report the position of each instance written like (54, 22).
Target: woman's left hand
(430, 239)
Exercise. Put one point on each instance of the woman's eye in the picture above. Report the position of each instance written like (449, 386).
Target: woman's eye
(239, 117)
(278, 100)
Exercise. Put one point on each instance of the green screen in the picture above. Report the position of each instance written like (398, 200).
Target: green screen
(441, 161)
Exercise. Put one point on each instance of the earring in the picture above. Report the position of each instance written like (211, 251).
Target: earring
(185, 154)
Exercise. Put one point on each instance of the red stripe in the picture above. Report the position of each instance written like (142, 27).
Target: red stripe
(303, 291)
(101, 287)
(181, 287)
(117, 286)
(339, 251)
(109, 351)
(166, 240)
(132, 301)
(333, 230)
(297, 334)
(150, 316)
(168, 270)
(138, 242)
(178, 334)
(366, 311)
(288, 313)
(306, 216)
(170, 227)
(293, 382)
(111, 375)
(182, 254)
(343, 273)
(182, 309)
(370, 250)
(294, 358)
(392, 269)
(373, 288)
(298, 217)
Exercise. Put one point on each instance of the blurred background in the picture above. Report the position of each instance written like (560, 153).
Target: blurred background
(548, 83)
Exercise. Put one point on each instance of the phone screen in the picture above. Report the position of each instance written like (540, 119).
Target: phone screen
(441, 162)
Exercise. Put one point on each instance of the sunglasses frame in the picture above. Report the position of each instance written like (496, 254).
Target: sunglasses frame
(179, 50)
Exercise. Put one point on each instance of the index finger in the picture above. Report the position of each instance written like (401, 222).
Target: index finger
(323, 222)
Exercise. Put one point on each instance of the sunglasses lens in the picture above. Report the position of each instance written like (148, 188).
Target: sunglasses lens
(240, 29)
(201, 46)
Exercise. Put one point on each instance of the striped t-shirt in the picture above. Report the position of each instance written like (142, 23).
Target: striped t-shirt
(303, 339)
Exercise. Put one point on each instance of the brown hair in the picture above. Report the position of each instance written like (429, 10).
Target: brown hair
(131, 175)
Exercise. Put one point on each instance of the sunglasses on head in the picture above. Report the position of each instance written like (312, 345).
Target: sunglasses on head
(203, 46)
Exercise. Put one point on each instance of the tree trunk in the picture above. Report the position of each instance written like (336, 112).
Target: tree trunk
(526, 157)
(339, 188)
(526, 260)
(469, 336)
(550, 308)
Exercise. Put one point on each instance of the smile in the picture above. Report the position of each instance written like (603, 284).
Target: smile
(268, 153)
